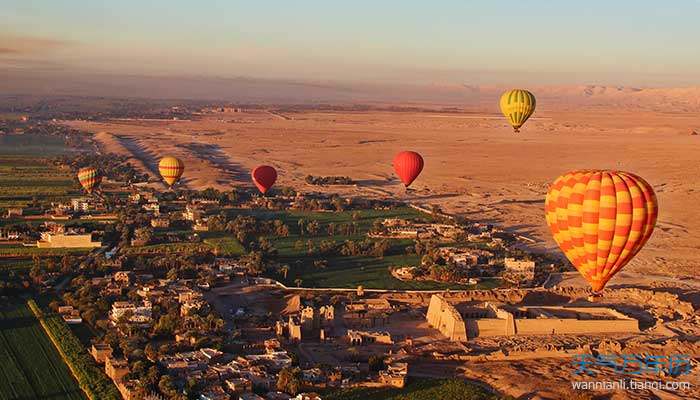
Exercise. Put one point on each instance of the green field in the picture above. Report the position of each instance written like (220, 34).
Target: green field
(22, 251)
(25, 172)
(90, 376)
(32, 145)
(345, 271)
(222, 244)
(24, 178)
(12, 264)
(30, 366)
(418, 389)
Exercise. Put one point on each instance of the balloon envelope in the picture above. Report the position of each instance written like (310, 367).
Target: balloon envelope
(89, 178)
(264, 176)
(517, 105)
(171, 169)
(408, 165)
(600, 219)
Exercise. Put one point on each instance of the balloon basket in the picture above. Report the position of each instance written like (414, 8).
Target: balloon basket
(595, 297)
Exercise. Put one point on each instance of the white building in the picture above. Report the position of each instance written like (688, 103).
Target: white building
(139, 314)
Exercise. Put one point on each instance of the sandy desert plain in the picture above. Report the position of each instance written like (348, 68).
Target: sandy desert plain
(474, 164)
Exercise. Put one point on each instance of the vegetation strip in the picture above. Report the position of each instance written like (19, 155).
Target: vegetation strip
(92, 381)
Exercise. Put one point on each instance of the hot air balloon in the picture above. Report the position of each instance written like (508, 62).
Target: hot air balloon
(264, 176)
(89, 178)
(600, 219)
(171, 169)
(517, 105)
(408, 165)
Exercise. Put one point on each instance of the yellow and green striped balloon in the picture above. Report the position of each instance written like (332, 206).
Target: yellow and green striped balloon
(89, 178)
(171, 169)
(517, 105)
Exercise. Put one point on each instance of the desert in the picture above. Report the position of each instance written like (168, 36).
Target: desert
(475, 165)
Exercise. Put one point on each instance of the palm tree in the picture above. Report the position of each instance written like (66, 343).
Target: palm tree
(301, 223)
(284, 270)
(298, 282)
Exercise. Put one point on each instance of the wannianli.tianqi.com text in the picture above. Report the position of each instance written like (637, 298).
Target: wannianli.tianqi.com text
(630, 384)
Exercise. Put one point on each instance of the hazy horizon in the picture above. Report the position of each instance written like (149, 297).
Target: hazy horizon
(482, 43)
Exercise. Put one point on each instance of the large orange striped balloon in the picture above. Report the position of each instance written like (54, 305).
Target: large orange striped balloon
(171, 169)
(600, 219)
(89, 178)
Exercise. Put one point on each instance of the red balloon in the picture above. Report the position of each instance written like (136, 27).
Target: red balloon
(408, 165)
(264, 176)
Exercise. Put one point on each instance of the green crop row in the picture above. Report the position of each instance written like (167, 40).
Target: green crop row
(91, 379)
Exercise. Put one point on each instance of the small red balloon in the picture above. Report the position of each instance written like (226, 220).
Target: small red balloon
(408, 165)
(264, 176)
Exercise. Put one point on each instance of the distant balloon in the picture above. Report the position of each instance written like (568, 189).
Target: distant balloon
(600, 219)
(517, 105)
(264, 176)
(171, 169)
(89, 178)
(408, 165)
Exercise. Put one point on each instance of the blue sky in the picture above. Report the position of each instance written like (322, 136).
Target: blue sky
(481, 42)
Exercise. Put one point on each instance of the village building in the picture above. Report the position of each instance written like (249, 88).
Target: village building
(49, 240)
(367, 313)
(356, 338)
(201, 225)
(152, 206)
(101, 352)
(187, 294)
(239, 385)
(128, 389)
(191, 306)
(140, 314)
(160, 222)
(214, 393)
(520, 270)
(307, 396)
(6, 235)
(14, 212)
(192, 213)
(309, 319)
(326, 315)
(463, 321)
(291, 330)
(116, 369)
(395, 375)
(183, 363)
(81, 204)
(404, 273)
(464, 258)
(229, 266)
(73, 319)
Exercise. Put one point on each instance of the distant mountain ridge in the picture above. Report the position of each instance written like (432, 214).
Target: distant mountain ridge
(280, 91)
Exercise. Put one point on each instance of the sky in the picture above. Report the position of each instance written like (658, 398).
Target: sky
(639, 43)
